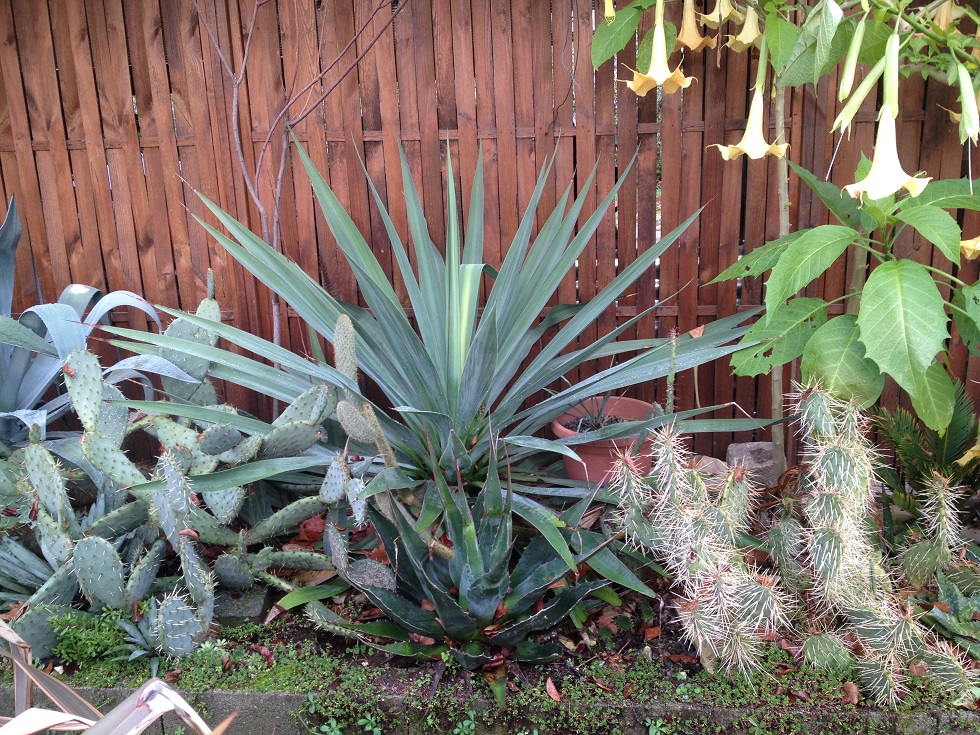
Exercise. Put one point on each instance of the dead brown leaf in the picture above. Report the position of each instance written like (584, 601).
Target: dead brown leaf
(651, 633)
(606, 621)
(549, 686)
(918, 669)
(313, 578)
(299, 546)
(601, 683)
(312, 528)
(682, 658)
(851, 694)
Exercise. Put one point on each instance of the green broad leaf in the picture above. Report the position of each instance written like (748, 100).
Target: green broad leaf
(780, 339)
(948, 194)
(758, 261)
(875, 38)
(902, 320)
(835, 356)
(828, 24)
(967, 299)
(781, 38)
(611, 38)
(936, 226)
(804, 259)
(934, 397)
(304, 595)
(846, 209)
(805, 68)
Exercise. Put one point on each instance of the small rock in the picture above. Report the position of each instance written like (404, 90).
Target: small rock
(757, 458)
(237, 608)
(710, 466)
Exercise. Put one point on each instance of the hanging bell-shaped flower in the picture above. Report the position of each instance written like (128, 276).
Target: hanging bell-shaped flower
(969, 109)
(886, 175)
(610, 11)
(689, 36)
(753, 143)
(659, 73)
(750, 35)
(970, 249)
(723, 10)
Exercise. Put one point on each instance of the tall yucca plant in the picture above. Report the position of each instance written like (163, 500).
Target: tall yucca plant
(459, 373)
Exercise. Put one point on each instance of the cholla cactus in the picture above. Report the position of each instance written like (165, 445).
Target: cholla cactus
(824, 547)
(826, 541)
(694, 525)
(939, 499)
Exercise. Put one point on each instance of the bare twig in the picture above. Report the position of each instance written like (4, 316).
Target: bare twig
(271, 232)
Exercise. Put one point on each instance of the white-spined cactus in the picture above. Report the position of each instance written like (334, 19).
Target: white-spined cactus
(693, 525)
(826, 541)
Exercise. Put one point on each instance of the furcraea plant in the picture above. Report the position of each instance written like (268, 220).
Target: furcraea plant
(475, 598)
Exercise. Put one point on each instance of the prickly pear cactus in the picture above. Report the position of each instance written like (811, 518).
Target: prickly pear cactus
(176, 626)
(233, 573)
(201, 394)
(219, 438)
(83, 378)
(101, 574)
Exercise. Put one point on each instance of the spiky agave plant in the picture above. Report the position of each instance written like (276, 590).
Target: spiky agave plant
(472, 596)
(694, 526)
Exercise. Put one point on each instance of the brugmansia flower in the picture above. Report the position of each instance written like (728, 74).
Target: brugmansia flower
(659, 73)
(753, 143)
(750, 34)
(610, 11)
(886, 175)
(970, 112)
(970, 249)
(689, 35)
(723, 10)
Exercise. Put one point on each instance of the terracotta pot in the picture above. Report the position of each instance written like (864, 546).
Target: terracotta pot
(599, 457)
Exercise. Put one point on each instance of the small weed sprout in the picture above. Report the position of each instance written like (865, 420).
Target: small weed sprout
(369, 724)
(467, 726)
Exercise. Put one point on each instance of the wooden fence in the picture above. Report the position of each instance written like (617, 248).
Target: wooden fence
(114, 112)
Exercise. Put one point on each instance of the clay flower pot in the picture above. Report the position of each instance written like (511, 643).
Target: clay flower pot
(599, 457)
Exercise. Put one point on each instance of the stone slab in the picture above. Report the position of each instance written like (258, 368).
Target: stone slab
(238, 608)
(260, 713)
(757, 458)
